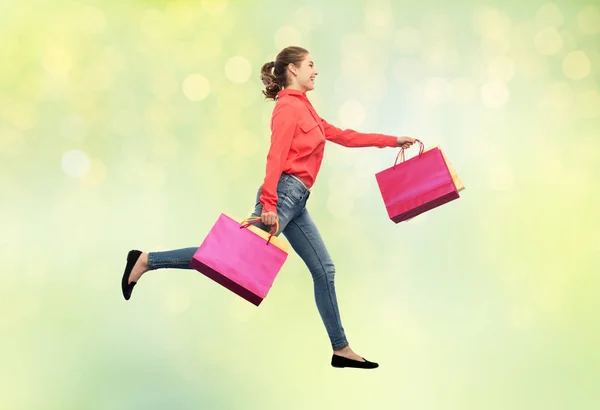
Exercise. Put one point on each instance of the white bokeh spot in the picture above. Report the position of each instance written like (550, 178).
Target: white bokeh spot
(75, 163)
(576, 65)
(549, 15)
(548, 41)
(98, 172)
(588, 20)
(493, 23)
(57, 61)
(238, 70)
(287, 36)
(196, 87)
(494, 94)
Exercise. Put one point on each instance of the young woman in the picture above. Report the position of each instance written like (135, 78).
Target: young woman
(293, 161)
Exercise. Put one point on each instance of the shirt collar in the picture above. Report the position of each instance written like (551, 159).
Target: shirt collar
(289, 91)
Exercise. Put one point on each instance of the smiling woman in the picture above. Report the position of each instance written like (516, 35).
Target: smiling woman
(298, 137)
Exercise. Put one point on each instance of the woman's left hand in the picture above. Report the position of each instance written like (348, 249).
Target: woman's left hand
(405, 142)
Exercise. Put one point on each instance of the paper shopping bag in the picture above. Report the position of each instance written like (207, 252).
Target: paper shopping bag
(457, 181)
(241, 257)
(417, 185)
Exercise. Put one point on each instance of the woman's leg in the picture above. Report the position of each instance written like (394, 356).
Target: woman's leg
(305, 239)
(175, 259)
(303, 235)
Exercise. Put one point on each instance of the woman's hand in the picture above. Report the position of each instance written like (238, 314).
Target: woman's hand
(405, 142)
(268, 218)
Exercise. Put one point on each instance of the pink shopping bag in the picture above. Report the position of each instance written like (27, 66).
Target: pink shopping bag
(417, 185)
(241, 257)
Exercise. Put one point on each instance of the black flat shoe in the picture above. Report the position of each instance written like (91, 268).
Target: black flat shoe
(127, 287)
(339, 361)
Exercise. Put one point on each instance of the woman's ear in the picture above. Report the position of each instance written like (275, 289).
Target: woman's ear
(293, 69)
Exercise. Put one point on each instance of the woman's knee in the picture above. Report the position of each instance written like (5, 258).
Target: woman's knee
(325, 270)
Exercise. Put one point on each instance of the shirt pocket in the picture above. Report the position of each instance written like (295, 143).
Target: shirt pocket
(307, 124)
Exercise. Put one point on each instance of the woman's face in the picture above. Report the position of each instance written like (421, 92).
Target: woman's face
(305, 74)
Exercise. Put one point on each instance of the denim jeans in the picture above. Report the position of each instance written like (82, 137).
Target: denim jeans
(301, 232)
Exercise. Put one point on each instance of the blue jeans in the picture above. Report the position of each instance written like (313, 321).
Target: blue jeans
(302, 234)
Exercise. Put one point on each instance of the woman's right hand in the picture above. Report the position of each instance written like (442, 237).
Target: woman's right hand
(268, 218)
(405, 142)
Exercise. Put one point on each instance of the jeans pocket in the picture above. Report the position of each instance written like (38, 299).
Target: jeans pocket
(295, 193)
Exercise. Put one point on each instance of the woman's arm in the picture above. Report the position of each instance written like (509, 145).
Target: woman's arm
(283, 125)
(351, 138)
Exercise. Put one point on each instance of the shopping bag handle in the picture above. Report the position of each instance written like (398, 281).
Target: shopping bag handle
(401, 153)
(253, 220)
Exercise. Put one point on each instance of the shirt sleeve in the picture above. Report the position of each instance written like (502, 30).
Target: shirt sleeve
(351, 138)
(283, 126)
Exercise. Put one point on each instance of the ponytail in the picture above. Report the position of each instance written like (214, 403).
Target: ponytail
(272, 85)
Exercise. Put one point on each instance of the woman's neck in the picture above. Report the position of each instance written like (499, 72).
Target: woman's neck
(295, 87)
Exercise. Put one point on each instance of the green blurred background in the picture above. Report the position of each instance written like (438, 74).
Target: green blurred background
(133, 124)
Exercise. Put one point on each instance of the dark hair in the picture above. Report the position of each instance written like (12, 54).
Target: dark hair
(274, 73)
